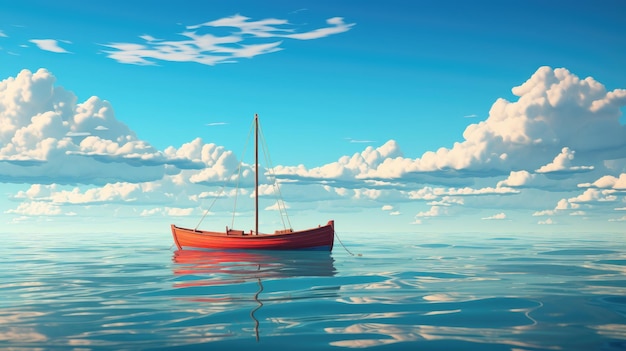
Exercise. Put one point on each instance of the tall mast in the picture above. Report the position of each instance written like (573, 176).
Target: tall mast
(256, 174)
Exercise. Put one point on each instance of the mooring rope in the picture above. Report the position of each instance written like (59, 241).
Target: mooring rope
(344, 246)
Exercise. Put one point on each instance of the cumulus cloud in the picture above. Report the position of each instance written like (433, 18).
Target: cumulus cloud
(561, 206)
(51, 45)
(46, 136)
(555, 110)
(434, 211)
(245, 38)
(347, 168)
(608, 182)
(517, 179)
(562, 164)
(80, 154)
(560, 125)
(594, 195)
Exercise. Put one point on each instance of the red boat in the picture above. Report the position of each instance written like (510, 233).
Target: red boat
(319, 238)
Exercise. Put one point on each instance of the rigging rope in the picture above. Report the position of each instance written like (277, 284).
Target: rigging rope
(228, 179)
(280, 202)
(208, 209)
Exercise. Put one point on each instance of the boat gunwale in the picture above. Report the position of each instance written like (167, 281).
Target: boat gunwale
(249, 235)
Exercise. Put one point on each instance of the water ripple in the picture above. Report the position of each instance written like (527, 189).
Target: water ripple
(424, 292)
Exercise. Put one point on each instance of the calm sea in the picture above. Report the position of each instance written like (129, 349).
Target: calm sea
(396, 292)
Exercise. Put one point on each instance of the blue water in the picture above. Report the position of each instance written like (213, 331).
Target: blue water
(398, 292)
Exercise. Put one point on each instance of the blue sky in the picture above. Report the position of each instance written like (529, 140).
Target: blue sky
(394, 116)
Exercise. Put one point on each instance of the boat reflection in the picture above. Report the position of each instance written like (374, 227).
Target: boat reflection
(200, 272)
(227, 267)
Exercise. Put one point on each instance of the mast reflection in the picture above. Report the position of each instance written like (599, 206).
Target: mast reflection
(199, 271)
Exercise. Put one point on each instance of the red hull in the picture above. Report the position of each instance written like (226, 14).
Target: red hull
(321, 238)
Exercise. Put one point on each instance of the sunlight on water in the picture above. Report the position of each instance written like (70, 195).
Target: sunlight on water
(404, 292)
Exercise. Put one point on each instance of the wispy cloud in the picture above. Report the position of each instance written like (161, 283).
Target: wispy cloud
(51, 45)
(498, 216)
(246, 38)
(168, 211)
(213, 124)
(2, 34)
(36, 208)
(75, 134)
(621, 219)
(360, 141)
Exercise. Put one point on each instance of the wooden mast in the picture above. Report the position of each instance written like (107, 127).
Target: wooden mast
(256, 174)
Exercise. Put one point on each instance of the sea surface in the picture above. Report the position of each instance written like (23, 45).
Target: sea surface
(381, 292)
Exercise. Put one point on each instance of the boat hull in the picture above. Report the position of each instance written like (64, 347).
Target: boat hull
(320, 238)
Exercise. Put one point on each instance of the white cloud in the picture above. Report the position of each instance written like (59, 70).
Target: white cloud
(278, 206)
(500, 215)
(621, 219)
(562, 163)
(3, 35)
(426, 193)
(337, 25)
(556, 113)
(517, 179)
(49, 45)
(547, 222)
(447, 201)
(46, 136)
(429, 193)
(36, 208)
(594, 195)
(608, 182)
(168, 211)
(112, 192)
(246, 38)
(435, 211)
(360, 141)
(347, 168)
(561, 206)
(555, 110)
